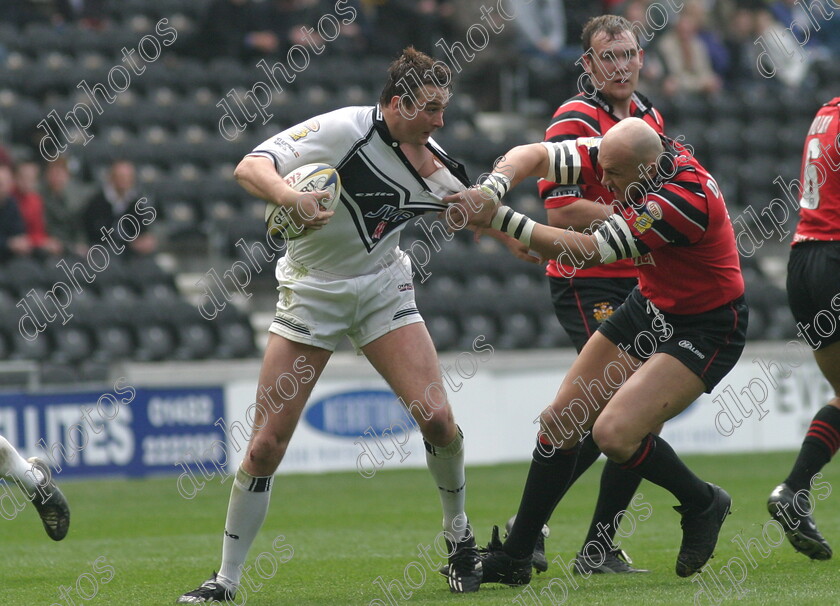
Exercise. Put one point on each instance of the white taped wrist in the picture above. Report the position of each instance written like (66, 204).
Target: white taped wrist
(514, 224)
(615, 240)
(496, 185)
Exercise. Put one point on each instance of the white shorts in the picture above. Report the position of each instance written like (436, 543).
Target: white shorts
(319, 308)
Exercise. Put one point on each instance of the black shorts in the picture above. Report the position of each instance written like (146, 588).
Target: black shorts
(708, 344)
(813, 287)
(581, 304)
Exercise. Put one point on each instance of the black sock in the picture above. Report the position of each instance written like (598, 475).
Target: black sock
(617, 489)
(818, 447)
(657, 462)
(589, 453)
(547, 481)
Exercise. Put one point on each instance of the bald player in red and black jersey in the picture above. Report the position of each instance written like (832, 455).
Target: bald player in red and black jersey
(813, 286)
(585, 297)
(676, 336)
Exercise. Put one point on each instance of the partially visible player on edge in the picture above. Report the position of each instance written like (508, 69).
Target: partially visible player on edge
(583, 298)
(813, 286)
(35, 481)
(349, 277)
(680, 331)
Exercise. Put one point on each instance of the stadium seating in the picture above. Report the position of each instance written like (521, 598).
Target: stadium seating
(167, 123)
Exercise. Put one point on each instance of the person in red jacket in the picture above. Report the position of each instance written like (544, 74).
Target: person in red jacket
(678, 333)
(813, 286)
(31, 206)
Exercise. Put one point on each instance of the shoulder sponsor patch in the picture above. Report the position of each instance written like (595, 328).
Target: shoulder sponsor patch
(654, 209)
(304, 129)
(281, 142)
(643, 222)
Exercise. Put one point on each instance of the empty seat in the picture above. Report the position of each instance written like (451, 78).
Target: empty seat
(519, 331)
(71, 343)
(444, 330)
(474, 325)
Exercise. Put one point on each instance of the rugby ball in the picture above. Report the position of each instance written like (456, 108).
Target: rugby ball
(309, 178)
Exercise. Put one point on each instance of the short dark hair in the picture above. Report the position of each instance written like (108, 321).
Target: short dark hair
(413, 68)
(612, 25)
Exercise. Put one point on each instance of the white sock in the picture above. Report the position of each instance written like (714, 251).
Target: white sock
(447, 467)
(15, 467)
(248, 506)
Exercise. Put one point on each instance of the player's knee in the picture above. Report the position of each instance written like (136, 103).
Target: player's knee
(553, 425)
(611, 439)
(439, 423)
(267, 450)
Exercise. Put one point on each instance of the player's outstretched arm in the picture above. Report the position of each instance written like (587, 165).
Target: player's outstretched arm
(565, 246)
(477, 204)
(580, 215)
(523, 161)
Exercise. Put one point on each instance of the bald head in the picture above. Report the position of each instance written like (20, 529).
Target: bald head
(635, 139)
(628, 152)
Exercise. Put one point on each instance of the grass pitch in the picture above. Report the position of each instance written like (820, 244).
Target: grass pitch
(140, 542)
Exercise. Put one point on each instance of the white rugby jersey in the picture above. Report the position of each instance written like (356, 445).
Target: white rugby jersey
(381, 190)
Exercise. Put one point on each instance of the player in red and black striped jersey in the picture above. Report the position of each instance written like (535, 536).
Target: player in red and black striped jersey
(813, 286)
(676, 336)
(583, 298)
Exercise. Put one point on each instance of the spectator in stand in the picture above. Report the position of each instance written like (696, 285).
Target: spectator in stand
(739, 38)
(277, 25)
(653, 70)
(686, 56)
(711, 34)
(542, 28)
(5, 157)
(118, 198)
(422, 23)
(223, 30)
(356, 30)
(31, 207)
(782, 67)
(13, 240)
(64, 201)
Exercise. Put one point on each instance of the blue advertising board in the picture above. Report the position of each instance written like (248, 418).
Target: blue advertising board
(125, 430)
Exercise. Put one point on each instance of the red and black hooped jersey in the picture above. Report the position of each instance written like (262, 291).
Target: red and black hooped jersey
(677, 230)
(583, 116)
(819, 207)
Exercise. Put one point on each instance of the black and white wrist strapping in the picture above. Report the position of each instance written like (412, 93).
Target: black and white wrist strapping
(615, 240)
(513, 224)
(496, 185)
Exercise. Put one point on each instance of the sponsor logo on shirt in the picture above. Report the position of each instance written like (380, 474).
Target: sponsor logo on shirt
(405, 286)
(309, 127)
(281, 142)
(654, 209)
(645, 259)
(686, 344)
(643, 222)
(389, 213)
